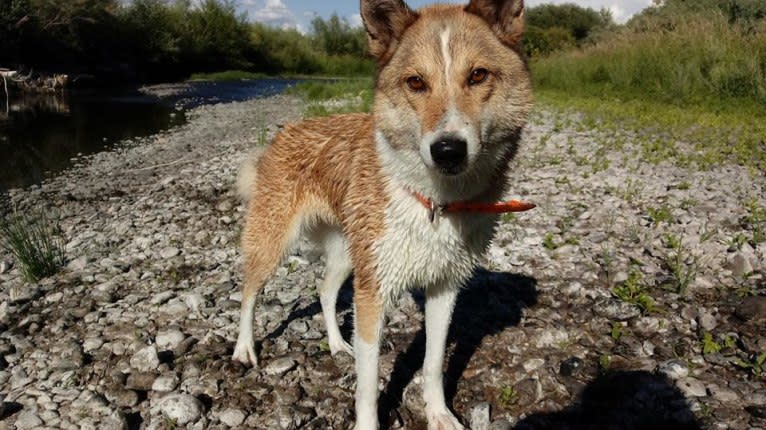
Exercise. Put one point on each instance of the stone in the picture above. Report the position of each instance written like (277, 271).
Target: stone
(28, 420)
(571, 366)
(280, 366)
(500, 424)
(232, 417)
(691, 387)
(182, 408)
(673, 369)
(145, 360)
(169, 340)
(165, 383)
(169, 252)
(479, 417)
(752, 309)
(140, 381)
(616, 310)
(739, 265)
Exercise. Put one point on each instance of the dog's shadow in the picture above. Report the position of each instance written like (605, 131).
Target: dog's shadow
(621, 400)
(489, 303)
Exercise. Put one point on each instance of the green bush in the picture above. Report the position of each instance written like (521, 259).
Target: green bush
(35, 241)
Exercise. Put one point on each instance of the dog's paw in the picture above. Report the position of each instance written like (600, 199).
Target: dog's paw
(245, 354)
(340, 345)
(443, 420)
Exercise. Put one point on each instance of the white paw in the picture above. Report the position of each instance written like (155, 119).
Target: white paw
(245, 354)
(443, 420)
(340, 345)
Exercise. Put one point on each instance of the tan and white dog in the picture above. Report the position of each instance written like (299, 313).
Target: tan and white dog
(451, 98)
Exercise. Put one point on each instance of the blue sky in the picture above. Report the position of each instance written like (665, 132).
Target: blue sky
(298, 13)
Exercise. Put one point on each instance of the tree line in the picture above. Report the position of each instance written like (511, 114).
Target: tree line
(155, 40)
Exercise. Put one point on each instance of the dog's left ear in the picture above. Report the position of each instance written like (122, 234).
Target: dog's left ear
(385, 21)
(506, 17)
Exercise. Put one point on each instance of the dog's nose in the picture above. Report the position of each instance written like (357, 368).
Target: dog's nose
(450, 155)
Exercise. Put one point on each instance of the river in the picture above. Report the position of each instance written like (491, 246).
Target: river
(40, 134)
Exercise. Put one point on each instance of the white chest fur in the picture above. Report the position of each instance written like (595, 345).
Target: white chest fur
(415, 252)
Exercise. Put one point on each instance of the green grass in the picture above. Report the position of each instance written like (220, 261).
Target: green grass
(35, 241)
(229, 75)
(698, 58)
(633, 291)
(337, 96)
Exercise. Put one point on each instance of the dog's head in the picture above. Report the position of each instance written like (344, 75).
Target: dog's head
(452, 93)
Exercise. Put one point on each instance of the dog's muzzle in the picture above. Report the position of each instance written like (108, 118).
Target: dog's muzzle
(450, 155)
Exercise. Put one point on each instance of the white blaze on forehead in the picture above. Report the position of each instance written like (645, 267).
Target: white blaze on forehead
(445, 38)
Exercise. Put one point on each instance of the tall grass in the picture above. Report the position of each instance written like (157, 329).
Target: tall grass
(696, 59)
(35, 241)
(326, 97)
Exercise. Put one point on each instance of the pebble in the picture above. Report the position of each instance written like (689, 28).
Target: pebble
(232, 417)
(182, 408)
(692, 387)
(28, 420)
(752, 309)
(480, 416)
(165, 383)
(145, 360)
(169, 340)
(673, 369)
(169, 252)
(280, 366)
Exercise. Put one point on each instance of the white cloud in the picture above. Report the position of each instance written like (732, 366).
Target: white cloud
(355, 20)
(272, 12)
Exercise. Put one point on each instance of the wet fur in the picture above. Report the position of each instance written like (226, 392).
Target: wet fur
(347, 181)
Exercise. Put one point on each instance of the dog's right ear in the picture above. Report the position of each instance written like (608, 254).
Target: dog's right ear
(385, 22)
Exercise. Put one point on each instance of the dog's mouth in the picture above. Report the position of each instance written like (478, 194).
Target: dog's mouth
(452, 170)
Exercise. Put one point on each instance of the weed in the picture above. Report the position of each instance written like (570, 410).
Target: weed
(633, 291)
(507, 396)
(35, 240)
(685, 185)
(682, 267)
(736, 242)
(509, 217)
(263, 135)
(756, 365)
(549, 243)
(604, 362)
(324, 346)
(755, 221)
(660, 214)
(710, 346)
(617, 331)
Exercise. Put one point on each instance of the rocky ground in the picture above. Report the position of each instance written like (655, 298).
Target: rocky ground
(633, 297)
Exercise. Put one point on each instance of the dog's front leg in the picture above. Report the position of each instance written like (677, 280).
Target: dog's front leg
(439, 305)
(368, 322)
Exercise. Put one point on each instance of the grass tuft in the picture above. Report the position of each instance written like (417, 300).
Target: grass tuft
(35, 241)
(334, 97)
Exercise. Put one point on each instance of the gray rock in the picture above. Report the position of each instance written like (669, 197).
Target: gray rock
(28, 420)
(739, 265)
(169, 252)
(673, 369)
(145, 360)
(165, 383)
(169, 340)
(616, 310)
(5, 266)
(280, 366)
(500, 425)
(752, 309)
(232, 417)
(480, 417)
(121, 397)
(691, 387)
(182, 408)
(141, 381)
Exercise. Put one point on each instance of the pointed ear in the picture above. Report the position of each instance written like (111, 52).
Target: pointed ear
(385, 22)
(506, 17)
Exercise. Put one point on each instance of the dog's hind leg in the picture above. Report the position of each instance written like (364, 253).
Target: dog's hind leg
(269, 232)
(337, 271)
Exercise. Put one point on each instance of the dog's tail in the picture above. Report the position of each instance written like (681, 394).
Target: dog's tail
(248, 174)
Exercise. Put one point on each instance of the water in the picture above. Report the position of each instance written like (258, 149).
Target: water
(41, 133)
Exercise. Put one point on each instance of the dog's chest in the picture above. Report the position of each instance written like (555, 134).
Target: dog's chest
(415, 252)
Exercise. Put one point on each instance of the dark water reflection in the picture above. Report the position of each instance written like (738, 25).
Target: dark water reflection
(41, 133)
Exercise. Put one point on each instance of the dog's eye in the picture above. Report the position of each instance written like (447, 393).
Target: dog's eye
(416, 83)
(478, 76)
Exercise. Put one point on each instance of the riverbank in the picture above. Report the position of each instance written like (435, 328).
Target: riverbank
(633, 294)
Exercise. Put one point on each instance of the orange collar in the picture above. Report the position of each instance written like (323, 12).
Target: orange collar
(474, 207)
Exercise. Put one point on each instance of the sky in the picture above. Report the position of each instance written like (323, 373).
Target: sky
(299, 13)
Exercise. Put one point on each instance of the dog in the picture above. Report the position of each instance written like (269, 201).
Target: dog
(407, 196)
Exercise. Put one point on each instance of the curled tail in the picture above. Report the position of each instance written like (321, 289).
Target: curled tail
(248, 174)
